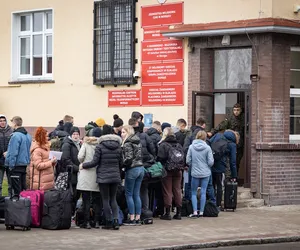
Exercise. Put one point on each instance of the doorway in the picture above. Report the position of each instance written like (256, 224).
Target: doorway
(214, 107)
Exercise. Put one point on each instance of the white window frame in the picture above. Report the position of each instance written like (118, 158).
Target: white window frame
(295, 92)
(17, 34)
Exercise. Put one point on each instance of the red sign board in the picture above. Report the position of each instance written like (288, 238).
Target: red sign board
(162, 72)
(162, 14)
(154, 33)
(124, 98)
(162, 50)
(166, 95)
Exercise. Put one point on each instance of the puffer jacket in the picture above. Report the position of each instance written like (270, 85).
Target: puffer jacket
(154, 136)
(18, 150)
(220, 166)
(107, 159)
(70, 157)
(200, 159)
(87, 177)
(132, 152)
(148, 149)
(181, 135)
(5, 134)
(41, 168)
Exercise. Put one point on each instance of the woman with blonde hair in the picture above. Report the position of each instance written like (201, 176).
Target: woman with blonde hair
(134, 173)
(200, 159)
(171, 155)
(41, 167)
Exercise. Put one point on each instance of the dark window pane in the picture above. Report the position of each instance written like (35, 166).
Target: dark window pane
(37, 66)
(294, 115)
(114, 48)
(295, 79)
(295, 59)
(49, 65)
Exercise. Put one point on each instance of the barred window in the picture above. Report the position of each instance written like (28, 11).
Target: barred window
(114, 42)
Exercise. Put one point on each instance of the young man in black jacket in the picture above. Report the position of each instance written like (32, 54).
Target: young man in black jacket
(148, 153)
(5, 133)
(182, 132)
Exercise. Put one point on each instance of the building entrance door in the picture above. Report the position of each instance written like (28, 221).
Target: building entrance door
(214, 107)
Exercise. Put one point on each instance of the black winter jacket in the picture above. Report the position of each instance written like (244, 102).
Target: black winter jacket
(190, 137)
(154, 136)
(148, 149)
(132, 152)
(108, 159)
(5, 134)
(70, 157)
(163, 149)
(181, 135)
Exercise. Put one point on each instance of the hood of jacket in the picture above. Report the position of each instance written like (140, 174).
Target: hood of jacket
(152, 131)
(90, 125)
(229, 135)
(21, 130)
(196, 127)
(137, 115)
(35, 145)
(199, 145)
(133, 139)
(6, 129)
(6, 123)
(110, 141)
(92, 140)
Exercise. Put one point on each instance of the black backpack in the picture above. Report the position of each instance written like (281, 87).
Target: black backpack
(176, 159)
(219, 148)
(210, 210)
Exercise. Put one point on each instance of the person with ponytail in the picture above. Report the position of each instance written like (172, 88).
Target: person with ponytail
(41, 167)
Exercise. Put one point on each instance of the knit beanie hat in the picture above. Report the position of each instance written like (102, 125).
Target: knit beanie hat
(107, 130)
(97, 132)
(74, 130)
(100, 122)
(165, 125)
(118, 122)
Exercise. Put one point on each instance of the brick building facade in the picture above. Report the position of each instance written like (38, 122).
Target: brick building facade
(272, 162)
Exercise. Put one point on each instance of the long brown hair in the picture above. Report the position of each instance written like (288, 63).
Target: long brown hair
(41, 136)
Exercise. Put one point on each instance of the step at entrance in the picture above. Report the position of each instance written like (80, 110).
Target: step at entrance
(245, 199)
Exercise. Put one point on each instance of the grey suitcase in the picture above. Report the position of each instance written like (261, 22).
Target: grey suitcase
(17, 213)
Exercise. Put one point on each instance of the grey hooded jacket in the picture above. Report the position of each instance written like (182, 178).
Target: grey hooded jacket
(200, 159)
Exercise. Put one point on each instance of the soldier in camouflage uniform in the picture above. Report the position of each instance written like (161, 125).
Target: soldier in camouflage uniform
(235, 122)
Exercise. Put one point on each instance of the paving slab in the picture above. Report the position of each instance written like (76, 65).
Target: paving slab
(244, 224)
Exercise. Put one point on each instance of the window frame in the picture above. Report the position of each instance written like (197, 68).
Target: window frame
(294, 92)
(114, 78)
(17, 35)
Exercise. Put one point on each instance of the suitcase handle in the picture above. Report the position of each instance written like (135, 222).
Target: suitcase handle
(15, 196)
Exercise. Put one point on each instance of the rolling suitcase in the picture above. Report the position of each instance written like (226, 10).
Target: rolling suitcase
(17, 212)
(230, 196)
(37, 201)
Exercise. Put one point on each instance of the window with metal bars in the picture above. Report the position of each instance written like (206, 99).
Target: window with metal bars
(114, 42)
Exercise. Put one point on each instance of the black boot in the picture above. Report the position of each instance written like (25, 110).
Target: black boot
(116, 225)
(167, 215)
(108, 225)
(177, 216)
(86, 225)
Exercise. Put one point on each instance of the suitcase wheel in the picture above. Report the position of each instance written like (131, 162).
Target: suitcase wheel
(26, 228)
(10, 227)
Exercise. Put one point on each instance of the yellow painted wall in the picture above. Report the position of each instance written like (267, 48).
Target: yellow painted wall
(73, 91)
(285, 9)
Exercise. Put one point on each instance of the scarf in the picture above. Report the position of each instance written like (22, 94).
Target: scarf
(77, 143)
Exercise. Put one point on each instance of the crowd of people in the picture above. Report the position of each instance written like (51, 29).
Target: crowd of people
(109, 156)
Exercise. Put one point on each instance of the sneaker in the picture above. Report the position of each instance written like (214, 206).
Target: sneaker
(138, 222)
(129, 223)
(193, 216)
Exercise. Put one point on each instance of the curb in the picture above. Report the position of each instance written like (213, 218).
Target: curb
(228, 243)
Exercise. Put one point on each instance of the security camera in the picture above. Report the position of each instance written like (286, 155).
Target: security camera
(137, 74)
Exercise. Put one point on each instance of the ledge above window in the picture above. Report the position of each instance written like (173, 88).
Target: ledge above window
(35, 81)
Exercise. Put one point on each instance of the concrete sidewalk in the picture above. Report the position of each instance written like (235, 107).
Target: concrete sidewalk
(258, 223)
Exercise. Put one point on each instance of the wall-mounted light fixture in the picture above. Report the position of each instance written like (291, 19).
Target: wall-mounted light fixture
(226, 40)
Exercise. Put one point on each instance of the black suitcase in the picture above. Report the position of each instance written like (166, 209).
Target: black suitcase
(230, 196)
(17, 213)
(2, 208)
(187, 207)
(57, 212)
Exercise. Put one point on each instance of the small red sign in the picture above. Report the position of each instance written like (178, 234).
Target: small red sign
(162, 72)
(154, 33)
(162, 50)
(162, 95)
(124, 98)
(162, 14)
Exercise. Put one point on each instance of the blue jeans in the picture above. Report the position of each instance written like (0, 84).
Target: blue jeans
(2, 171)
(202, 182)
(133, 181)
